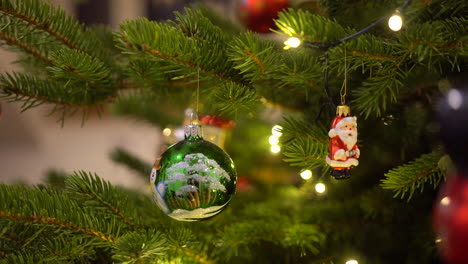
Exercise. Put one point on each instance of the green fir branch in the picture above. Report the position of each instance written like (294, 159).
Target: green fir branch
(300, 69)
(33, 92)
(183, 244)
(230, 99)
(140, 247)
(294, 128)
(49, 208)
(254, 57)
(406, 179)
(75, 66)
(305, 144)
(25, 46)
(306, 153)
(367, 53)
(144, 73)
(167, 43)
(101, 193)
(379, 91)
(435, 42)
(307, 26)
(246, 235)
(55, 22)
(438, 10)
(61, 249)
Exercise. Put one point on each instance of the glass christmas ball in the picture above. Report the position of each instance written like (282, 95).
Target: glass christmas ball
(195, 179)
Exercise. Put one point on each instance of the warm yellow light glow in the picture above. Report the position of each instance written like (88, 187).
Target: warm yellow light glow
(320, 187)
(275, 148)
(273, 140)
(167, 132)
(352, 261)
(445, 201)
(395, 22)
(292, 43)
(275, 131)
(306, 174)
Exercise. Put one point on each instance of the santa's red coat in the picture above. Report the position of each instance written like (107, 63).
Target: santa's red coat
(337, 157)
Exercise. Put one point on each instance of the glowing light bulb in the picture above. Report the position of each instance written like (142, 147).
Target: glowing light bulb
(275, 148)
(273, 140)
(352, 261)
(306, 174)
(395, 22)
(275, 131)
(455, 99)
(445, 201)
(292, 42)
(167, 131)
(320, 187)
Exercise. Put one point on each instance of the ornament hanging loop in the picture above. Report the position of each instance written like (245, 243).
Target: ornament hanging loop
(344, 87)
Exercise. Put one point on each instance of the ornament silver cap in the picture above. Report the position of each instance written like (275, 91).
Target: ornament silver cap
(193, 131)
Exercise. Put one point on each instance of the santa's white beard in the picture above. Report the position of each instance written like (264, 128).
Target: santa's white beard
(348, 137)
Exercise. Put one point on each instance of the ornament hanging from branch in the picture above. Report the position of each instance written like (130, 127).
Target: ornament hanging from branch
(194, 179)
(344, 152)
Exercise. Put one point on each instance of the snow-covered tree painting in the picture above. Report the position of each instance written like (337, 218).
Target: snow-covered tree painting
(192, 186)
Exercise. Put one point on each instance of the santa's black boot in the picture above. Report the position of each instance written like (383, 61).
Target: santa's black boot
(338, 174)
(347, 173)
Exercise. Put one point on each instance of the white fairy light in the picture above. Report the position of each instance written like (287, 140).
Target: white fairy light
(273, 140)
(320, 187)
(306, 174)
(292, 42)
(275, 148)
(167, 132)
(395, 22)
(275, 131)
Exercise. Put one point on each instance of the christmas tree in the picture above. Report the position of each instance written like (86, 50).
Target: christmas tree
(150, 71)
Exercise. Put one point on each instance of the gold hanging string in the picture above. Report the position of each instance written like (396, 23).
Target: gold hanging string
(198, 88)
(194, 114)
(344, 87)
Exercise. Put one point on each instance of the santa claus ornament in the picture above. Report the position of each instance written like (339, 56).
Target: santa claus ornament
(344, 152)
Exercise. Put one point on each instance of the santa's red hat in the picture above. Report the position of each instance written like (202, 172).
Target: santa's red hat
(339, 121)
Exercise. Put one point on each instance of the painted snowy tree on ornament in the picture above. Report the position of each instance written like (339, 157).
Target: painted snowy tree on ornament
(194, 179)
(344, 152)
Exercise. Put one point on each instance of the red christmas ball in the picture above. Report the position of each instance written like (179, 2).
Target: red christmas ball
(258, 15)
(450, 220)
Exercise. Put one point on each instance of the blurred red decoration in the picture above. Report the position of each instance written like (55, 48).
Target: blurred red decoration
(451, 220)
(243, 184)
(258, 15)
(217, 121)
(450, 216)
